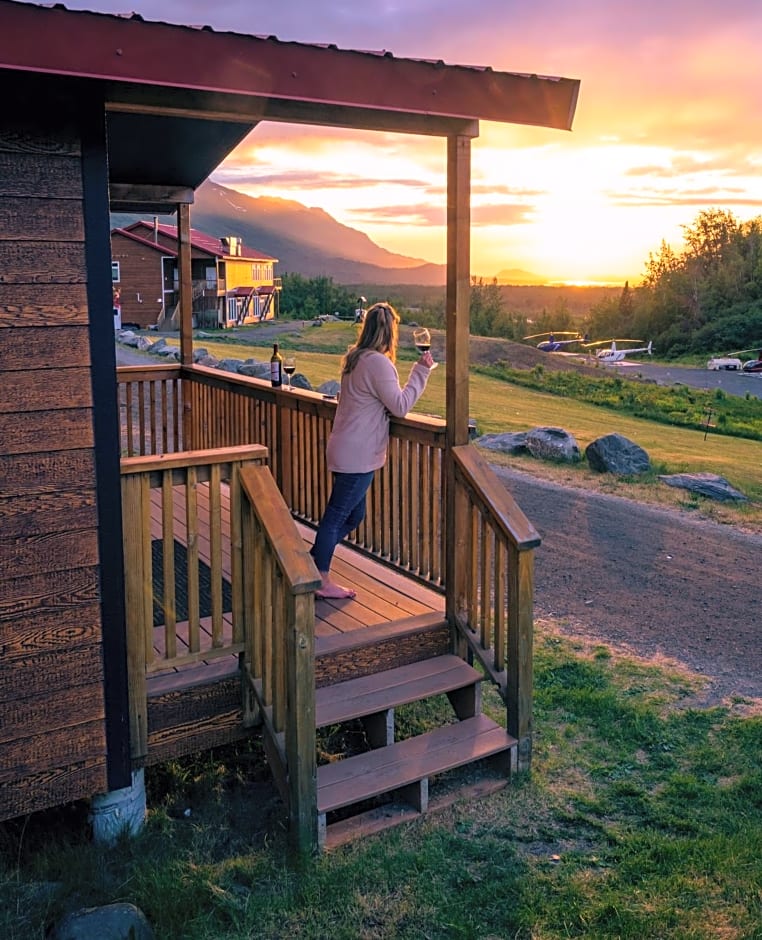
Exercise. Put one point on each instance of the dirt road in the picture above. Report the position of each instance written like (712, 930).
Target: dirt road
(649, 579)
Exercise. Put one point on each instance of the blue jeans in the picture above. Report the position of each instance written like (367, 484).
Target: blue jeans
(344, 512)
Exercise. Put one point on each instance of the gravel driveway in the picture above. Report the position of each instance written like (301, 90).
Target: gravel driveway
(648, 579)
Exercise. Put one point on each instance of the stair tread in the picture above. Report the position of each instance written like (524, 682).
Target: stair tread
(367, 775)
(368, 695)
(377, 633)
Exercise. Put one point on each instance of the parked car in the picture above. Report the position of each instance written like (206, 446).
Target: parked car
(728, 363)
(753, 365)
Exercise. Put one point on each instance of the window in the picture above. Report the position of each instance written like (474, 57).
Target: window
(115, 273)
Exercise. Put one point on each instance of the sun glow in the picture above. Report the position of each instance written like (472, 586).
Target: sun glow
(565, 210)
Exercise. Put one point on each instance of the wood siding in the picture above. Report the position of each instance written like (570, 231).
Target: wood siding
(140, 280)
(52, 738)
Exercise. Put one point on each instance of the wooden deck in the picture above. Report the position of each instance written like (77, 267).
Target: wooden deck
(384, 595)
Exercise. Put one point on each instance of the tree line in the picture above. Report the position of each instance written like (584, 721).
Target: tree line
(706, 298)
(703, 299)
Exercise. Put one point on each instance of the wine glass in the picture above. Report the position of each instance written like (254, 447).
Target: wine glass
(422, 340)
(289, 367)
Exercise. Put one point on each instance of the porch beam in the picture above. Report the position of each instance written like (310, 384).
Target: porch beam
(457, 358)
(243, 109)
(130, 197)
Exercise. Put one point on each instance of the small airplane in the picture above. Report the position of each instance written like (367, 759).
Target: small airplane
(610, 353)
(551, 344)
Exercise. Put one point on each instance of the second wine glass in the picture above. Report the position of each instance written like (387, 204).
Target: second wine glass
(289, 367)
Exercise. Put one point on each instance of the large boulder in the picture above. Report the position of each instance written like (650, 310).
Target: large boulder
(255, 369)
(113, 922)
(553, 444)
(705, 484)
(229, 365)
(614, 453)
(299, 380)
(128, 338)
(331, 388)
(509, 442)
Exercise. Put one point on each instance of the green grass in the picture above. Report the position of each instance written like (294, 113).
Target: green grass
(682, 406)
(642, 818)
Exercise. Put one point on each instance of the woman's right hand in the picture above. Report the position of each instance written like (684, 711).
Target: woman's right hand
(427, 360)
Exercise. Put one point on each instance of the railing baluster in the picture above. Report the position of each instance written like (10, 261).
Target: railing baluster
(278, 649)
(169, 600)
(499, 577)
(215, 553)
(485, 590)
(240, 578)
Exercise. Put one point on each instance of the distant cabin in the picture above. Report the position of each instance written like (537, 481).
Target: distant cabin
(233, 284)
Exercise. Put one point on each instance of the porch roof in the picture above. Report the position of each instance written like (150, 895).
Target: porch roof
(195, 93)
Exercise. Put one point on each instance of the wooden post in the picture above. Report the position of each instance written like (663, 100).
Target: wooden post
(137, 555)
(185, 283)
(457, 361)
(300, 732)
(519, 655)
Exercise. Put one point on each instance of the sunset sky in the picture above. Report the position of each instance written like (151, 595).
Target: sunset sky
(668, 123)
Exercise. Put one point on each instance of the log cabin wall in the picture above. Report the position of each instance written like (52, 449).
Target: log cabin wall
(53, 710)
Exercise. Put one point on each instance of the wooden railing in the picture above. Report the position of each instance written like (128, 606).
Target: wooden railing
(173, 506)
(280, 579)
(405, 524)
(274, 578)
(150, 410)
(495, 595)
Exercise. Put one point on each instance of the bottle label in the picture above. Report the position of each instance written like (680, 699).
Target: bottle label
(275, 375)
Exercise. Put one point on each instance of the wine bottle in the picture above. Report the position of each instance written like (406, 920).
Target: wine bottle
(276, 367)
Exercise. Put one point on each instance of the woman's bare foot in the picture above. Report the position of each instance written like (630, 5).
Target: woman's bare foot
(333, 590)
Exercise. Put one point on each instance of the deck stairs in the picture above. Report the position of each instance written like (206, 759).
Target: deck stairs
(396, 779)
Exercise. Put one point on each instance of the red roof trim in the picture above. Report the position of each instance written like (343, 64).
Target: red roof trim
(162, 249)
(133, 51)
(201, 241)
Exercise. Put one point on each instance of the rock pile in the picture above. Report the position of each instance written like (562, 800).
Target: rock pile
(612, 453)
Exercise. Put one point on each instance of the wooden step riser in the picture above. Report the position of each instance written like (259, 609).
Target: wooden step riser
(376, 656)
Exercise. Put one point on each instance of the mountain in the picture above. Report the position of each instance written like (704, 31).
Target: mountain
(518, 276)
(305, 241)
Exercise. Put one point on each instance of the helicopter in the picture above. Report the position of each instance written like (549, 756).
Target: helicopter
(610, 353)
(551, 344)
(731, 362)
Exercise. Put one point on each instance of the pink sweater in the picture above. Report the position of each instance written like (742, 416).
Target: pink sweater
(369, 394)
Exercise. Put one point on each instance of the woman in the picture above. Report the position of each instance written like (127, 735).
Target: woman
(370, 392)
